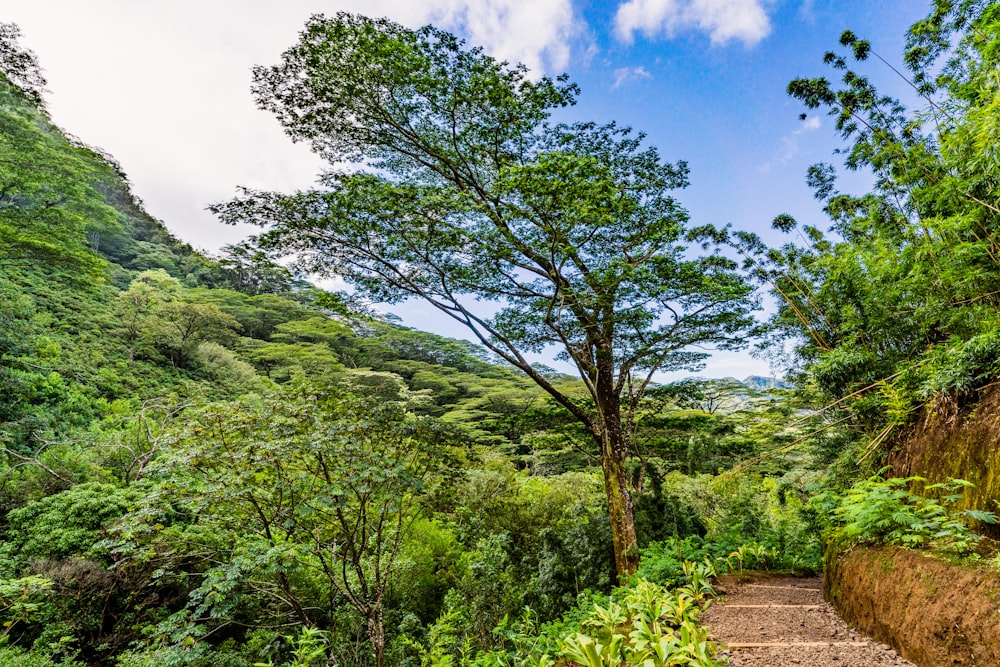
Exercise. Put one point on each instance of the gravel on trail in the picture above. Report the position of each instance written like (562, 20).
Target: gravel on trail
(783, 621)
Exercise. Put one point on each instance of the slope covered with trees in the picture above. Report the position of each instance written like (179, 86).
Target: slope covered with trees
(202, 456)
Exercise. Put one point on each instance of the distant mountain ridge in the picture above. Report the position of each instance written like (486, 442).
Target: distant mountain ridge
(761, 382)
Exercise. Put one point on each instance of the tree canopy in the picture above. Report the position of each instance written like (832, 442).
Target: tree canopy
(20, 65)
(465, 193)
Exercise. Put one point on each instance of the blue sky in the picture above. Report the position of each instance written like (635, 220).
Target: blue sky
(723, 107)
(163, 85)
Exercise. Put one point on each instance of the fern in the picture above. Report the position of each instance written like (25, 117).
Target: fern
(890, 511)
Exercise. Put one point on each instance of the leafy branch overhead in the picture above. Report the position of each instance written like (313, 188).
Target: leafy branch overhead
(895, 303)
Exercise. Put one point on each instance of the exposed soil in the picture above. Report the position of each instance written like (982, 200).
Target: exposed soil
(933, 612)
(957, 440)
(778, 621)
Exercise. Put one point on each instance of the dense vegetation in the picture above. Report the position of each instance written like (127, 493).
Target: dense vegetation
(208, 461)
(900, 294)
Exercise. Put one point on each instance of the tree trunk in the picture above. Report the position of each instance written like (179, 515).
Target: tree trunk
(613, 460)
(376, 634)
(614, 456)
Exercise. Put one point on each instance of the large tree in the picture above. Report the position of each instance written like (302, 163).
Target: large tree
(459, 191)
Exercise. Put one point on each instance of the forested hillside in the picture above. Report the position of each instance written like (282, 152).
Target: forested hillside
(210, 461)
(203, 454)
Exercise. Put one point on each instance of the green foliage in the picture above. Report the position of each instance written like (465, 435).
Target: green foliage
(66, 523)
(463, 191)
(663, 562)
(753, 522)
(896, 303)
(487, 590)
(961, 365)
(307, 494)
(60, 601)
(662, 515)
(181, 327)
(431, 560)
(655, 618)
(14, 657)
(250, 271)
(15, 336)
(259, 315)
(903, 512)
(639, 624)
(48, 203)
(309, 649)
(557, 539)
(20, 601)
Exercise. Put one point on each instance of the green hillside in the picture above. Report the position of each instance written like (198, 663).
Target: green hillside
(209, 461)
(131, 365)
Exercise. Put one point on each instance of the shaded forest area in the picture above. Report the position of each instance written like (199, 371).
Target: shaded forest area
(209, 461)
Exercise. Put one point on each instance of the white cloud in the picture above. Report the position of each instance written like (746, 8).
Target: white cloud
(789, 149)
(810, 124)
(723, 20)
(165, 86)
(627, 74)
(790, 144)
(537, 33)
(807, 11)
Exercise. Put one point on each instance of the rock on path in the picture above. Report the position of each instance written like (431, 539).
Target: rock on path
(784, 621)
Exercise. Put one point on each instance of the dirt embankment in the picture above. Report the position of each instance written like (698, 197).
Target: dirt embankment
(952, 440)
(932, 612)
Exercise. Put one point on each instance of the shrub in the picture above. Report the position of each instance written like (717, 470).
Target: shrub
(890, 511)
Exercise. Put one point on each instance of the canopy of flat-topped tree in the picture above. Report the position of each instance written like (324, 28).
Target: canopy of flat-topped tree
(463, 191)
(569, 229)
(569, 250)
(361, 89)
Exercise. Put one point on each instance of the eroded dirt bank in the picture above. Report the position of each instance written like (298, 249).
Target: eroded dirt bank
(932, 612)
(953, 440)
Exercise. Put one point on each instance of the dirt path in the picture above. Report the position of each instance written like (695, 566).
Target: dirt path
(784, 621)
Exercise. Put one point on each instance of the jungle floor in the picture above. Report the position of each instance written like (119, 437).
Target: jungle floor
(780, 621)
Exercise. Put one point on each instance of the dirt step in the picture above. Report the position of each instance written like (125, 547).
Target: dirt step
(783, 621)
(793, 644)
(773, 606)
(780, 595)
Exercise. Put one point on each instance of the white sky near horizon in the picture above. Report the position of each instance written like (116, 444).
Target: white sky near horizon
(163, 86)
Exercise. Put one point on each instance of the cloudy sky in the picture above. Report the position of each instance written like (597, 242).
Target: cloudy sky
(163, 85)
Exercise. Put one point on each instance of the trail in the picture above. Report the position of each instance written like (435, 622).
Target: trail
(782, 621)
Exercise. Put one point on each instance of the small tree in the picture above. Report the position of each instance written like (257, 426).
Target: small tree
(465, 193)
(251, 271)
(136, 305)
(182, 326)
(307, 486)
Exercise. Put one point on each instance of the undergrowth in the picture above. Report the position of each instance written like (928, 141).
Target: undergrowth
(641, 623)
(901, 511)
